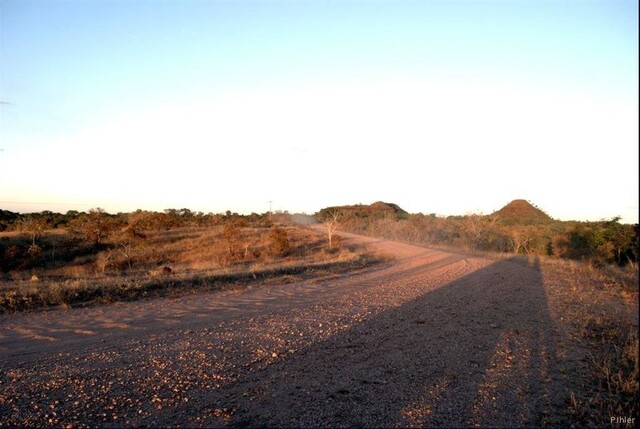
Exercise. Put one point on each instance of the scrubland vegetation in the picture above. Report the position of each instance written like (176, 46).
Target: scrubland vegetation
(517, 228)
(51, 259)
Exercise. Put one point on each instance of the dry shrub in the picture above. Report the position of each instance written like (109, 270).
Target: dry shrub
(161, 271)
(103, 262)
(280, 245)
(231, 235)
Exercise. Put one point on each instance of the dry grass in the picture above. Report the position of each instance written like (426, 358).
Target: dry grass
(174, 262)
(614, 367)
(597, 310)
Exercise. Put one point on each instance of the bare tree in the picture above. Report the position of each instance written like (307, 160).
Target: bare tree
(126, 248)
(331, 220)
(518, 239)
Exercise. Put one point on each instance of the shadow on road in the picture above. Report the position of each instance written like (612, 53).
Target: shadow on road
(477, 351)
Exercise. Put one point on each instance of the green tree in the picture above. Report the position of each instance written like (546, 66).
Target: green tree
(97, 225)
(620, 237)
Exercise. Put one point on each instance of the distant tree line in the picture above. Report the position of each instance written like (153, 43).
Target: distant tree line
(98, 220)
(97, 226)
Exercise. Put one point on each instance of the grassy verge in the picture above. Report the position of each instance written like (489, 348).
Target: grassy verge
(612, 365)
(597, 310)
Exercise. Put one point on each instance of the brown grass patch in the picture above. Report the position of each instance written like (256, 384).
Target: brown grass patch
(597, 310)
(174, 262)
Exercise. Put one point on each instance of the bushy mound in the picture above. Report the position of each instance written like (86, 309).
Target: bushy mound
(376, 210)
(521, 212)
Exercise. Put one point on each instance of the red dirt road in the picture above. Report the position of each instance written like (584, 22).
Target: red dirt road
(432, 339)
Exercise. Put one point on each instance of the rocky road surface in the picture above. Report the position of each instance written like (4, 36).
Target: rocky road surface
(431, 339)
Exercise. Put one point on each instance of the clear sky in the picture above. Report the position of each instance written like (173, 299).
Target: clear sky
(444, 107)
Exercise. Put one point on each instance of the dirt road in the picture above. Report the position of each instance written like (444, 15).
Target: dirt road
(432, 339)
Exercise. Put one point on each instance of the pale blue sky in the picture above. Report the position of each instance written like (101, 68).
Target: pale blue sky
(448, 107)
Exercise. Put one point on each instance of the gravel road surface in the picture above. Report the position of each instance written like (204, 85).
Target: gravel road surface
(431, 339)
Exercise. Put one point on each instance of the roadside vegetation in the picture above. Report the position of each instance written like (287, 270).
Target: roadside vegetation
(596, 311)
(517, 228)
(50, 259)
